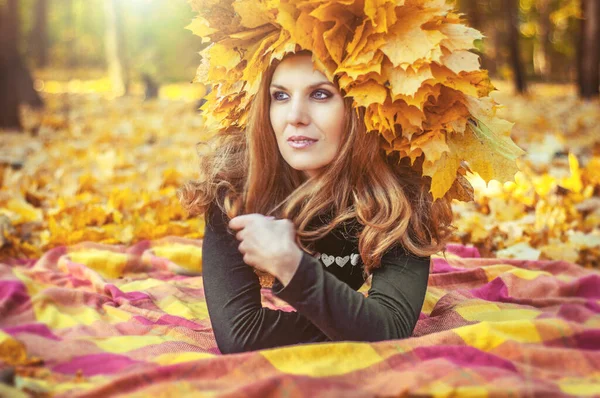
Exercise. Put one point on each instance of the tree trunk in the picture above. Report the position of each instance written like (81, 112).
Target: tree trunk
(115, 47)
(512, 19)
(589, 54)
(9, 34)
(39, 34)
(475, 14)
(543, 49)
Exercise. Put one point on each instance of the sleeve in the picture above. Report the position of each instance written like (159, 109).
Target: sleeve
(232, 293)
(390, 311)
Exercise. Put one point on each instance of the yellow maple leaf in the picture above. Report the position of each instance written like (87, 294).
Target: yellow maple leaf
(199, 26)
(367, 93)
(254, 13)
(432, 144)
(406, 82)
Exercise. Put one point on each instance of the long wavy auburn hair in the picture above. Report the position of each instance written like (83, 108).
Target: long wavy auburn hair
(243, 172)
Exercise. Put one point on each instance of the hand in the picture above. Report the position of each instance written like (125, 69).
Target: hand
(268, 244)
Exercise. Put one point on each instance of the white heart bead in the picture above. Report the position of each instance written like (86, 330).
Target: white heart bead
(341, 261)
(327, 260)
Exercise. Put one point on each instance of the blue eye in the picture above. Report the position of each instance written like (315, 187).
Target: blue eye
(317, 94)
(324, 94)
(276, 95)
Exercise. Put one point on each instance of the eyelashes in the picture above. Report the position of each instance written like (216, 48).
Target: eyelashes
(319, 95)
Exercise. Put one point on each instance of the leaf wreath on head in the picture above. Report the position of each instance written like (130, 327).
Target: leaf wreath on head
(407, 62)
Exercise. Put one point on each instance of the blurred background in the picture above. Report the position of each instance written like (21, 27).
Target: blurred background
(99, 120)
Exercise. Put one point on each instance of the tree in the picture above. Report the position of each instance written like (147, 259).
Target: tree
(476, 13)
(115, 47)
(16, 84)
(9, 33)
(39, 34)
(542, 52)
(589, 50)
(511, 12)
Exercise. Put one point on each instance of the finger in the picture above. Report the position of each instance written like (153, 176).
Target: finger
(239, 235)
(237, 222)
(240, 222)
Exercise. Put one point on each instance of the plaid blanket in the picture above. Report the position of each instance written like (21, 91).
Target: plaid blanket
(95, 320)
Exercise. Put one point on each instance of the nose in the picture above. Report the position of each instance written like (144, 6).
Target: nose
(298, 112)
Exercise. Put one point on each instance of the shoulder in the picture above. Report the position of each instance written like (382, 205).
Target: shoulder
(400, 258)
(215, 217)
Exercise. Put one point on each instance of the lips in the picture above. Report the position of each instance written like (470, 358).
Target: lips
(301, 138)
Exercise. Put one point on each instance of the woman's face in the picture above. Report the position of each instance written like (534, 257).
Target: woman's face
(305, 105)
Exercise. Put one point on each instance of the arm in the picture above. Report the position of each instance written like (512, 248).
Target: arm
(232, 292)
(390, 311)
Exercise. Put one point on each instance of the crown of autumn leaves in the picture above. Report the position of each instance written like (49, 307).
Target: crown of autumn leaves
(407, 62)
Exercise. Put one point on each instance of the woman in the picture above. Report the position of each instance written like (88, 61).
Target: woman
(306, 195)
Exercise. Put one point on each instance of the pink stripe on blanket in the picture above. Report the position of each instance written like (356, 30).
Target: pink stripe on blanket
(463, 251)
(441, 266)
(13, 297)
(96, 364)
(464, 356)
(588, 287)
(593, 305)
(496, 290)
(173, 320)
(588, 340)
(38, 329)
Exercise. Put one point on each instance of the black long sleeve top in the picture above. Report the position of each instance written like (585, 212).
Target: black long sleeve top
(323, 291)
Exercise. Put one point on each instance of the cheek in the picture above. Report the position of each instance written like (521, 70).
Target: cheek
(336, 123)
(276, 121)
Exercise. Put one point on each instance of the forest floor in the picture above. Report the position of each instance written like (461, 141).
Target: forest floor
(92, 167)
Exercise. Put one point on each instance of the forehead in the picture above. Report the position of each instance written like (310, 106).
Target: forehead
(296, 66)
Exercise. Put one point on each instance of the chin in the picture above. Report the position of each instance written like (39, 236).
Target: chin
(306, 169)
(306, 164)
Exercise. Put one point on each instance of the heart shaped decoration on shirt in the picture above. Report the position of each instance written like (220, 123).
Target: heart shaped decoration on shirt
(341, 261)
(327, 260)
(354, 257)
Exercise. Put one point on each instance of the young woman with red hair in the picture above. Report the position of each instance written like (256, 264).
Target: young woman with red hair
(306, 195)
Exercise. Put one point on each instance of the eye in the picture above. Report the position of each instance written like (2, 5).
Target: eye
(278, 95)
(321, 94)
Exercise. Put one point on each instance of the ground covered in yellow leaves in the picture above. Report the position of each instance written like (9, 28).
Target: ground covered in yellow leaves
(95, 168)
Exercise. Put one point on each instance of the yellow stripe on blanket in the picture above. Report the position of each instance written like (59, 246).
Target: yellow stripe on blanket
(48, 312)
(440, 389)
(529, 274)
(487, 311)
(122, 344)
(186, 309)
(51, 387)
(13, 392)
(581, 387)
(185, 256)
(488, 335)
(493, 271)
(59, 317)
(141, 285)
(432, 296)
(322, 359)
(107, 263)
(172, 358)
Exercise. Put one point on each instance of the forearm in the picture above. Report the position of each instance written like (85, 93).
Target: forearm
(390, 312)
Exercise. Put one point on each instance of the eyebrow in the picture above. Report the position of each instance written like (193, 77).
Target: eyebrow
(311, 86)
